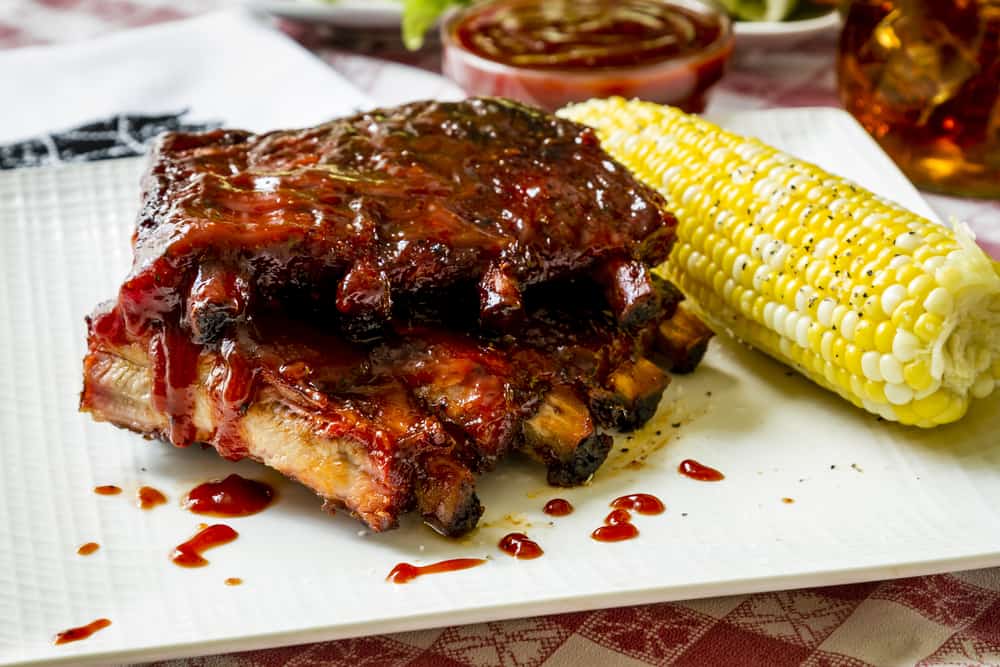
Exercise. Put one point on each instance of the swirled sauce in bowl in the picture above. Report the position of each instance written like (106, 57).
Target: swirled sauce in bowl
(552, 52)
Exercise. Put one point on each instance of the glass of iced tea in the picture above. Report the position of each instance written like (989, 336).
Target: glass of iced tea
(923, 77)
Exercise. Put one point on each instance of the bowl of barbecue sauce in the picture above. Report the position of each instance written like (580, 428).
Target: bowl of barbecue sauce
(552, 52)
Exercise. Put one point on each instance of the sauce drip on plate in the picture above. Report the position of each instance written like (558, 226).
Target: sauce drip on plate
(616, 517)
(148, 497)
(88, 548)
(520, 546)
(82, 632)
(643, 503)
(107, 490)
(189, 553)
(617, 527)
(404, 572)
(699, 471)
(232, 496)
(233, 581)
(558, 507)
(615, 533)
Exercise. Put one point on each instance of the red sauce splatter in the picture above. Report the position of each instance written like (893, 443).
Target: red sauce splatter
(82, 632)
(615, 533)
(558, 507)
(404, 572)
(232, 496)
(788, 501)
(618, 523)
(643, 503)
(233, 581)
(88, 548)
(702, 473)
(617, 516)
(107, 490)
(188, 554)
(520, 546)
(149, 497)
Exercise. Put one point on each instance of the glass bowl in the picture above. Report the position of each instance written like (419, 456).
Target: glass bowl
(681, 80)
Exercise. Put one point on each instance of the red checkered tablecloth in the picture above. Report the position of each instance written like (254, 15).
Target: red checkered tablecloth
(948, 619)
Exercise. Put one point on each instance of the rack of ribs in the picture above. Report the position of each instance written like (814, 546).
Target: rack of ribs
(339, 303)
(349, 216)
(403, 423)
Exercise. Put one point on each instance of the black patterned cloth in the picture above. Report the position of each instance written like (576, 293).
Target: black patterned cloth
(123, 135)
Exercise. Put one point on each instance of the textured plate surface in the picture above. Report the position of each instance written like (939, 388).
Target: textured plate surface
(872, 500)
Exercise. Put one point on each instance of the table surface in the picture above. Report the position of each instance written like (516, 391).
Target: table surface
(948, 619)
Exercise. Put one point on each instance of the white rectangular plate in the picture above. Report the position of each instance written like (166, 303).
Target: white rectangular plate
(872, 500)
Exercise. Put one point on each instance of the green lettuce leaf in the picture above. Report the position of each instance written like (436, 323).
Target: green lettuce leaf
(419, 16)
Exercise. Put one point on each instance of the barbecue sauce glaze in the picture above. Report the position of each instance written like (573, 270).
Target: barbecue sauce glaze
(234, 224)
(232, 496)
(405, 572)
(189, 554)
(618, 524)
(82, 632)
(585, 35)
(148, 497)
(699, 471)
(88, 548)
(520, 546)
(643, 503)
(558, 507)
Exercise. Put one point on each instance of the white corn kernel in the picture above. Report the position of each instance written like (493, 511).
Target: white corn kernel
(898, 394)
(939, 302)
(802, 332)
(905, 345)
(760, 244)
(870, 366)
(891, 369)
(824, 247)
(908, 241)
(760, 277)
(778, 321)
(791, 324)
(769, 309)
(891, 298)
(824, 314)
(849, 324)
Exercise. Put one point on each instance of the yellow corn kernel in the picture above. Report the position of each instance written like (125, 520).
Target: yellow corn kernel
(885, 333)
(928, 327)
(905, 316)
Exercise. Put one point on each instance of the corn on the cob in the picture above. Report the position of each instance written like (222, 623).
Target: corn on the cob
(897, 314)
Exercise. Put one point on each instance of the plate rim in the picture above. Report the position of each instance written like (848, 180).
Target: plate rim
(830, 19)
(527, 609)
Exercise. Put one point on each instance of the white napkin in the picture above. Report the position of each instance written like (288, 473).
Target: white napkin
(224, 67)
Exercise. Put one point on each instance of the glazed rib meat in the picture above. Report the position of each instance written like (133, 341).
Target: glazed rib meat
(402, 424)
(349, 217)
(385, 306)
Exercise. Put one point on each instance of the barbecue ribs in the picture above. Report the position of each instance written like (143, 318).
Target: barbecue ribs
(402, 423)
(385, 306)
(347, 216)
